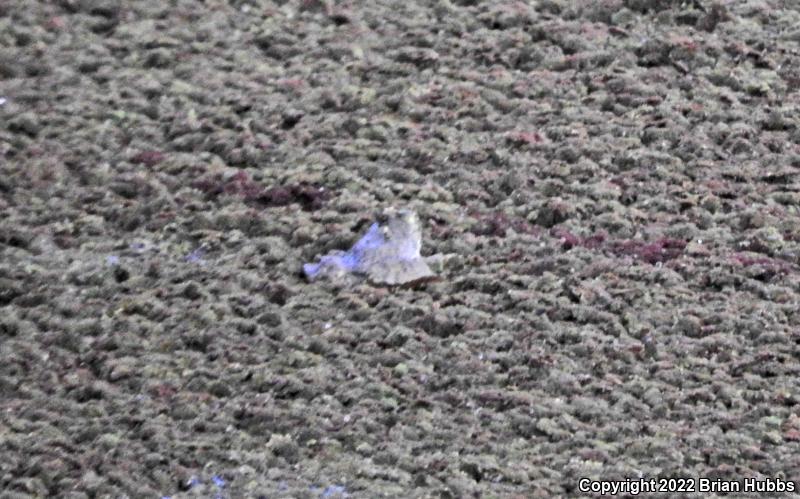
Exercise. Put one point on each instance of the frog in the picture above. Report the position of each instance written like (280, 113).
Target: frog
(388, 254)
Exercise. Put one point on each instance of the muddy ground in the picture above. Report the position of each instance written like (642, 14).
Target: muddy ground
(616, 183)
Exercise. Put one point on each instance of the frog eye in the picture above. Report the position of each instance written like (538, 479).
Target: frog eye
(406, 215)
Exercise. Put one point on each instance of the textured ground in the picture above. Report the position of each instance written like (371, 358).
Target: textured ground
(618, 182)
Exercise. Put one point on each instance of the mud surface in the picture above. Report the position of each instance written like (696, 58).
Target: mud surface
(619, 182)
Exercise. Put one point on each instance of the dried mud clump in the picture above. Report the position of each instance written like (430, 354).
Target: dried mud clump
(240, 184)
(497, 224)
(659, 251)
(763, 268)
(148, 158)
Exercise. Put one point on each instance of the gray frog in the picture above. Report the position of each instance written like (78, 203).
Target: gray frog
(388, 254)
